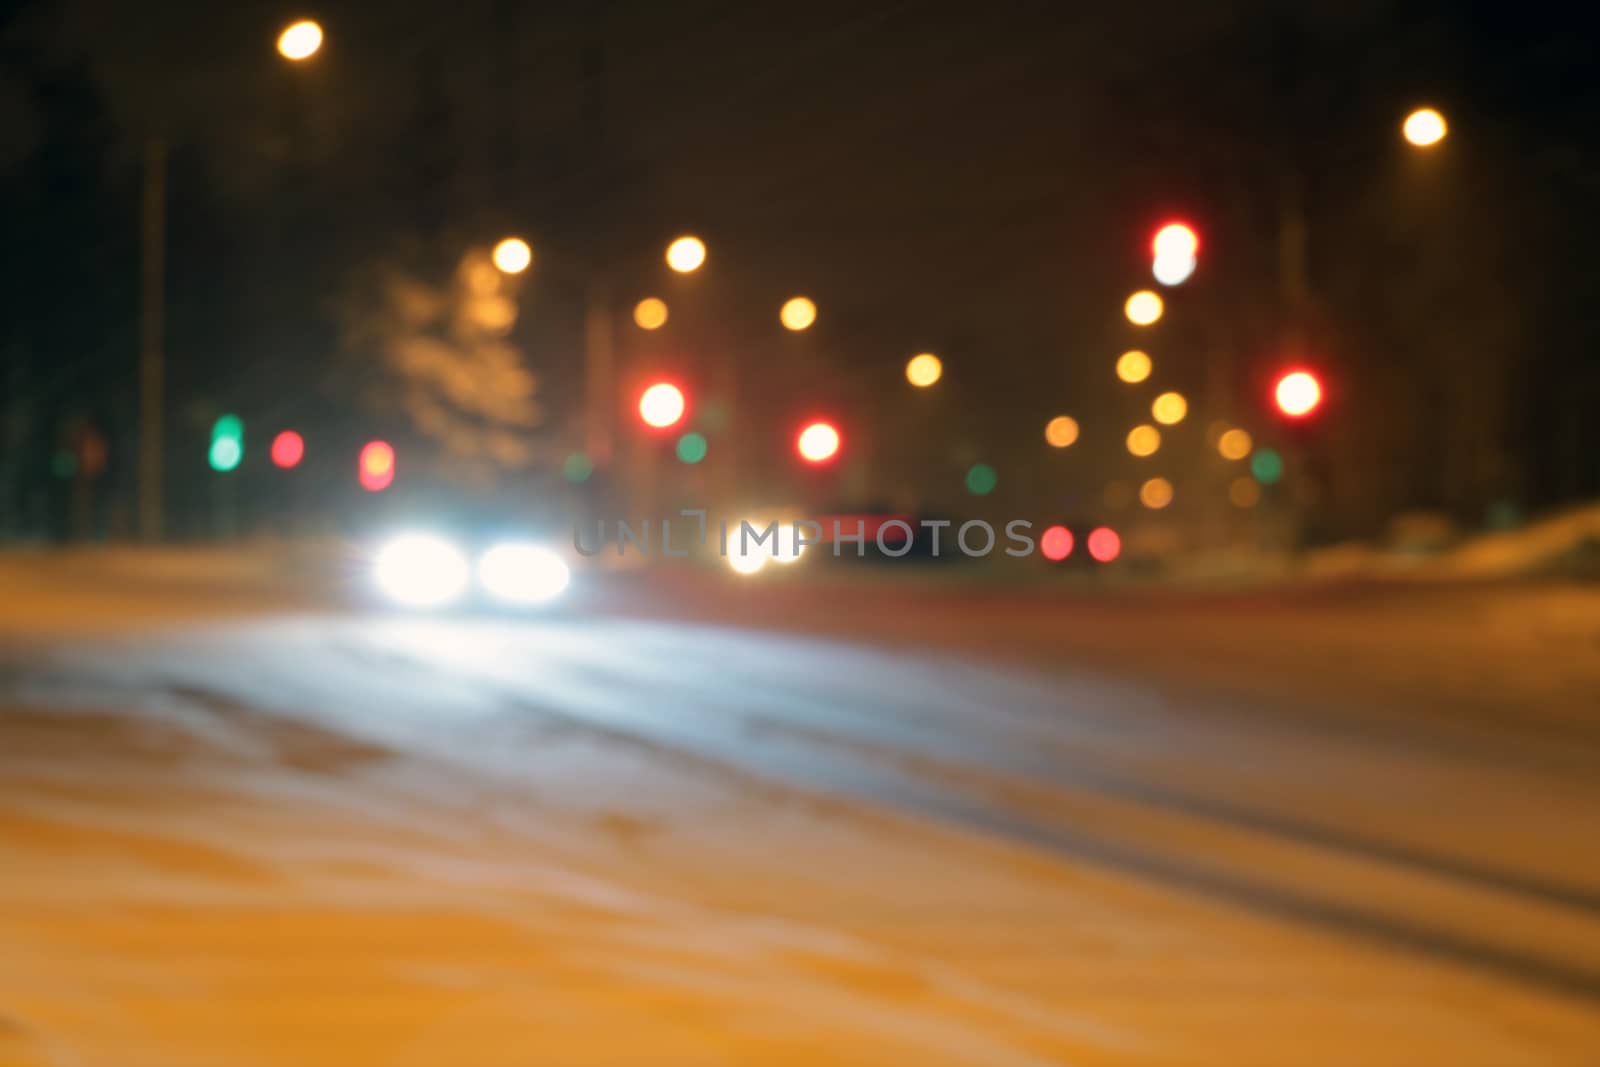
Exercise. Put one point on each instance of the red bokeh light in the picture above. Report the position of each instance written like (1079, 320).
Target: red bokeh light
(1056, 543)
(1298, 393)
(662, 405)
(818, 442)
(1175, 239)
(288, 449)
(377, 466)
(1104, 544)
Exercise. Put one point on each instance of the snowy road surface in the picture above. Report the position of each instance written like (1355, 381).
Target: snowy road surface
(843, 825)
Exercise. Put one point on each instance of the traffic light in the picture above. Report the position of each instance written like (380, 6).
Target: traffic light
(818, 442)
(288, 448)
(1298, 393)
(661, 405)
(1176, 248)
(376, 466)
(227, 443)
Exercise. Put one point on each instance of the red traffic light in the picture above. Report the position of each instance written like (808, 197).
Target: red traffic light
(661, 405)
(376, 466)
(818, 442)
(1298, 393)
(288, 449)
(1175, 240)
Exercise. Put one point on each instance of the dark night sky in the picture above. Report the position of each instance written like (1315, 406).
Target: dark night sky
(976, 179)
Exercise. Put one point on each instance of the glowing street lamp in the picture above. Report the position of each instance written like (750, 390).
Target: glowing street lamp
(300, 40)
(924, 369)
(1133, 366)
(686, 254)
(650, 313)
(1424, 127)
(1143, 308)
(797, 313)
(512, 255)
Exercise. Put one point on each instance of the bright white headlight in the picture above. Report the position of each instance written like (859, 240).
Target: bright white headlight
(420, 570)
(523, 573)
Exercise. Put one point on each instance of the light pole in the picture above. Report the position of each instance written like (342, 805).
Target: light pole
(298, 42)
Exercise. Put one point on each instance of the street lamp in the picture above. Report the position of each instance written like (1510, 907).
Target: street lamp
(797, 313)
(1424, 127)
(300, 41)
(686, 254)
(512, 255)
(923, 369)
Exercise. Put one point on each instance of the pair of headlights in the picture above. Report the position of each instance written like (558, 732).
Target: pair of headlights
(422, 570)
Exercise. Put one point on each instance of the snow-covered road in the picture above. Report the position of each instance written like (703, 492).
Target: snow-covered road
(951, 829)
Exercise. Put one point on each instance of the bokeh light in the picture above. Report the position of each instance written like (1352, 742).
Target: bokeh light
(225, 454)
(1235, 444)
(661, 405)
(650, 313)
(1169, 408)
(513, 255)
(923, 369)
(1244, 492)
(1267, 466)
(797, 313)
(981, 479)
(300, 40)
(1143, 308)
(288, 449)
(692, 447)
(1133, 366)
(1143, 440)
(1298, 394)
(1173, 270)
(819, 442)
(1055, 544)
(1175, 239)
(1104, 544)
(686, 254)
(1425, 127)
(577, 468)
(1061, 431)
(375, 466)
(1155, 493)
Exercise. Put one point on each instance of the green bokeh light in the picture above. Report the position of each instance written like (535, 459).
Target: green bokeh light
(226, 452)
(691, 448)
(577, 468)
(1267, 466)
(981, 479)
(63, 464)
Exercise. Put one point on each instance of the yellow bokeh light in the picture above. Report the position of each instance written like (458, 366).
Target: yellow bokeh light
(1133, 366)
(1244, 492)
(1143, 308)
(650, 313)
(300, 40)
(924, 369)
(798, 313)
(686, 254)
(1143, 440)
(1169, 408)
(1425, 127)
(1061, 431)
(1235, 444)
(1156, 493)
(513, 255)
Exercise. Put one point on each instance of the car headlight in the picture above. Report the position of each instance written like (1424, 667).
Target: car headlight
(523, 573)
(420, 570)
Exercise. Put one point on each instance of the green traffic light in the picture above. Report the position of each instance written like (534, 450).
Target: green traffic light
(226, 452)
(1267, 466)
